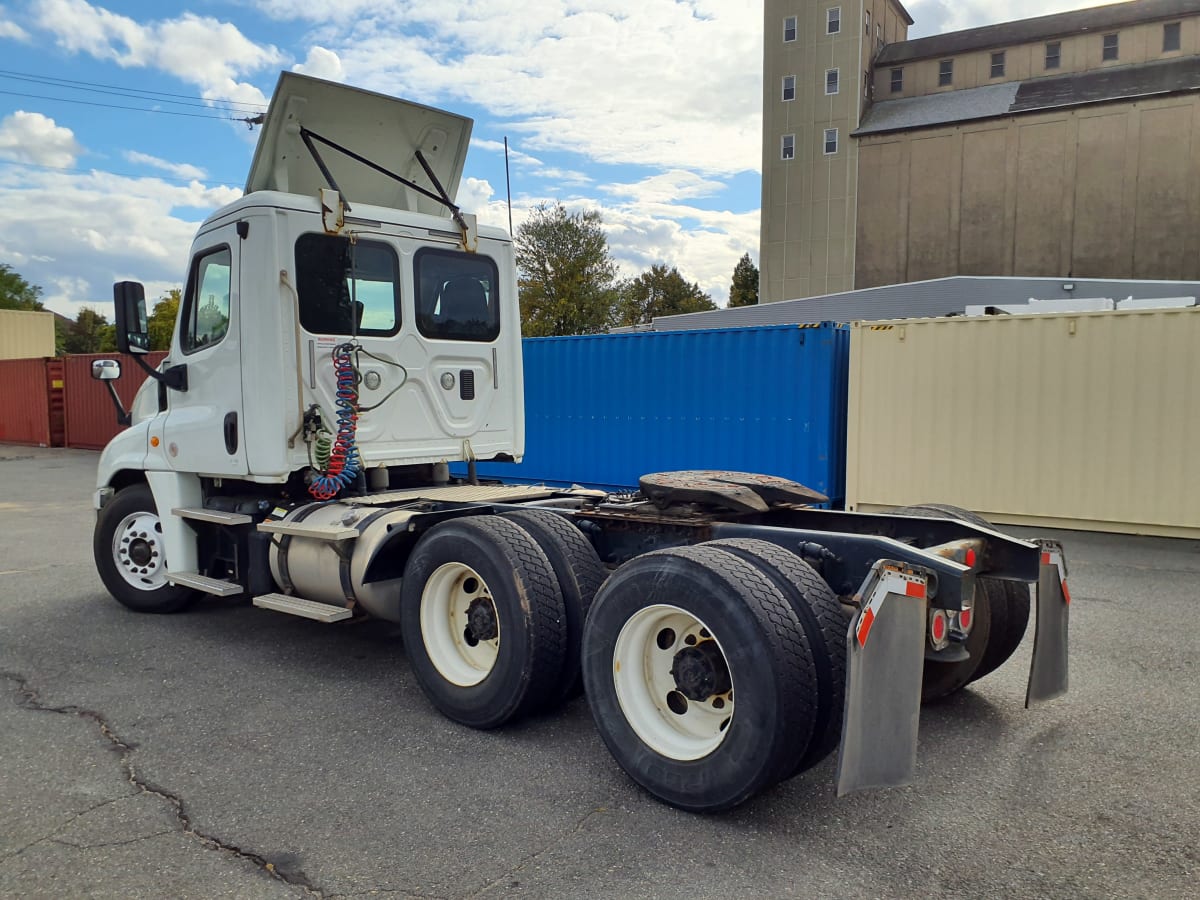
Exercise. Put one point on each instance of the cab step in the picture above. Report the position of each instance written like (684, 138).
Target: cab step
(308, 609)
(330, 533)
(217, 516)
(218, 587)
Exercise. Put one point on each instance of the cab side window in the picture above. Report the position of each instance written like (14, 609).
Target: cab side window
(206, 308)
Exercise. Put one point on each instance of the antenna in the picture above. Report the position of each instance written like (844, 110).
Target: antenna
(508, 186)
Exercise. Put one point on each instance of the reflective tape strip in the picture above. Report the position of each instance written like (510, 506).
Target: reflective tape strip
(1054, 558)
(891, 583)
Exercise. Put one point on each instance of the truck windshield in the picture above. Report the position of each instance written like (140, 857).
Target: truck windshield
(457, 295)
(331, 276)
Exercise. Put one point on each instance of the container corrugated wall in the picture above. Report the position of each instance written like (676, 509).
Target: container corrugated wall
(25, 334)
(24, 402)
(91, 419)
(1075, 420)
(602, 410)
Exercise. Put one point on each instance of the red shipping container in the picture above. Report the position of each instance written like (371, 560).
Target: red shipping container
(91, 418)
(24, 402)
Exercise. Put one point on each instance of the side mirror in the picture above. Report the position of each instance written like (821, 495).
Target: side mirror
(106, 369)
(133, 326)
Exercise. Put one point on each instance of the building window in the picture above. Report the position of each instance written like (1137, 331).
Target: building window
(1170, 37)
(998, 64)
(833, 20)
(831, 141)
(789, 29)
(1110, 47)
(787, 147)
(878, 36)
(867, 24)
(945, 72)
(831, 81)
(897, 80)
(1053, 54)
(789, 87)
(866, 83)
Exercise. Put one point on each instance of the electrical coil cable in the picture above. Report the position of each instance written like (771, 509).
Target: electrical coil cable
(343, 463)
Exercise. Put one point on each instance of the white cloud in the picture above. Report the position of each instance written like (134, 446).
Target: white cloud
(198, 50)
(649, 82)
(179, 170)
(30, 137)
(96, 228)
(936, 16)
(321, 63)
(675, 184)
(9, 28)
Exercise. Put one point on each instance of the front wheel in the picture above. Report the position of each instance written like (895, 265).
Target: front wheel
(130, 556)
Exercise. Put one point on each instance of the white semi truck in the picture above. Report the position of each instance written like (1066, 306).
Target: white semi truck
(346, 332)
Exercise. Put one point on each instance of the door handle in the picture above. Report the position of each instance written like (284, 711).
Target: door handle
(231, 433)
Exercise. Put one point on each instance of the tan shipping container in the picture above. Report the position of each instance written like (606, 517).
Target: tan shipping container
(24, 335)
(1072, 420)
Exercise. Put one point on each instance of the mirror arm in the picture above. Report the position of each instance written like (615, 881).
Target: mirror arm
(174, 378)
(124, 419)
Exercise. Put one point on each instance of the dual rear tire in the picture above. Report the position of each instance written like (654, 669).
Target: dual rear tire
(492, 611)
(710, 670)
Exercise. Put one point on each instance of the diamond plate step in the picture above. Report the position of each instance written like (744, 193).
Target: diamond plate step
(216, 586)
(308, 609)
(219, 516)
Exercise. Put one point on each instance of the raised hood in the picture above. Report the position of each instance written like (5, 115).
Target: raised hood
(385, 130)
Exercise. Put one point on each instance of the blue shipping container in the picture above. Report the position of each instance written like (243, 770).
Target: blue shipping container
(602, 410)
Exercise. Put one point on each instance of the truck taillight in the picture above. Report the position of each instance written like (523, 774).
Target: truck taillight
(938, 629)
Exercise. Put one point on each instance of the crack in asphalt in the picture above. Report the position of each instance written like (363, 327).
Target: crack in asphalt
(49, 835)
(30, 699)
(533, 857)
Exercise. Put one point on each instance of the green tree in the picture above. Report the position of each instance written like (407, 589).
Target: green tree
(88, 334)
(17, 293)
(162, 319)
(660, 292)
(744, 289)
(568, 280)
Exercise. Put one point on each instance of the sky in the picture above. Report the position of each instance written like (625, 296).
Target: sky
(120, 131)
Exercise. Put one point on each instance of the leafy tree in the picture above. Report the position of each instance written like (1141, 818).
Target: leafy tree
(17, 293)
(660, 292)
(90, 332)
(162, 319)
(568, 280)
(744, 289)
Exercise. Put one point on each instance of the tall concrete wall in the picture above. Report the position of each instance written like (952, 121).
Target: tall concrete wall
(1109, 190)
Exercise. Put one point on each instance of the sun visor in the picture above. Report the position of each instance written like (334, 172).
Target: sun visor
(383, 129)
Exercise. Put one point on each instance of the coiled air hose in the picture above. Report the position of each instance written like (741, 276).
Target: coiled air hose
(343, 463)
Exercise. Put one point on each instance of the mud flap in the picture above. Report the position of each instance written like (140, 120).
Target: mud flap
(886, 659)
(1048, 671)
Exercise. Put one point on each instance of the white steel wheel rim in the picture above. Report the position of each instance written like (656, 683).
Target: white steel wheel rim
(644, 684)
(137, 551)
(445, 604)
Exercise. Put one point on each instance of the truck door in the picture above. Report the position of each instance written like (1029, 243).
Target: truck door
(204, 431)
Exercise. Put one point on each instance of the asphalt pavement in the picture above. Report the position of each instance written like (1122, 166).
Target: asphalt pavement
(234, 752)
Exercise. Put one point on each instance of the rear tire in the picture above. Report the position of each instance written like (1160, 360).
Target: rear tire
(130, 555)
(1009, 601)
(579, 573)
(824, 621)
(700, 620)
(482, 621)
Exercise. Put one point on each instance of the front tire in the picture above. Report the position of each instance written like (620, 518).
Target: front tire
(699, 676)
(482, 621)
(130, 555)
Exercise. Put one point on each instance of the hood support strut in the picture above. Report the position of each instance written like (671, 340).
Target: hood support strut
(441, 196)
